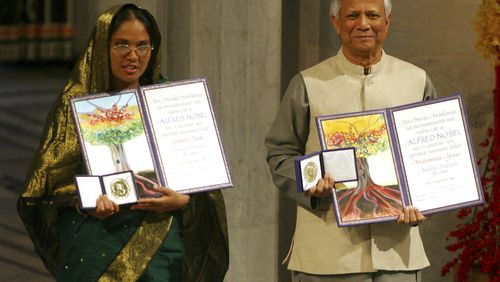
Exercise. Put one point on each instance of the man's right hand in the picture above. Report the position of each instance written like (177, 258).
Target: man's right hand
(323, 188)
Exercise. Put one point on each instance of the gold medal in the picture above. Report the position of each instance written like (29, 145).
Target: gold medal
(120, 188)
(310, 171)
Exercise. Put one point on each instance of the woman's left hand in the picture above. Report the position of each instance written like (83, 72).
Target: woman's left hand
(169, 201)
(411, 215)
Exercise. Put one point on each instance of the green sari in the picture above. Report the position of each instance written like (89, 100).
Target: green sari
(85, 260)
(130, 245)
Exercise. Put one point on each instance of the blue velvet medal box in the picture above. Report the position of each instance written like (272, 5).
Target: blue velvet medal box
(339, 163)
(119, 187)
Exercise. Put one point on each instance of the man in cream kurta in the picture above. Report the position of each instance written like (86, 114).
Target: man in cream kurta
(347, 82)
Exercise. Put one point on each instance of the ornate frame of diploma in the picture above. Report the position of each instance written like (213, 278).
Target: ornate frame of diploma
(166, 133)
(419, 154)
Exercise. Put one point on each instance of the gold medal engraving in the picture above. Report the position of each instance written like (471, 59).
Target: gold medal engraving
(310, 171)
(120, 188)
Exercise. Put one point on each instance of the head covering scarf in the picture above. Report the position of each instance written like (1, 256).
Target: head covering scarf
(50, 186)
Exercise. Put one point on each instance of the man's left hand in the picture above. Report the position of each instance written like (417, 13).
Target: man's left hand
(410, 215)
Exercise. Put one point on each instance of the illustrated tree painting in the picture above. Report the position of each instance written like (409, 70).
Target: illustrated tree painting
(112, 127)
(364, 198)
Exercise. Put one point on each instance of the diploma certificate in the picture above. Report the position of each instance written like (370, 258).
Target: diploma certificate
(419, 154)
(166, 133)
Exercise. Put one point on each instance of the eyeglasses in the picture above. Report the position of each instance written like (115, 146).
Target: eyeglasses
(124, 49)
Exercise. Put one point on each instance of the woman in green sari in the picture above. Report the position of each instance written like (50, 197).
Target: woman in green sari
(170, 238)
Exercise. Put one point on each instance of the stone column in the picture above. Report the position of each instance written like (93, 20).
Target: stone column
(236, 45)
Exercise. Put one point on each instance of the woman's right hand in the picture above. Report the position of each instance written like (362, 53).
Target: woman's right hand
(104, 208)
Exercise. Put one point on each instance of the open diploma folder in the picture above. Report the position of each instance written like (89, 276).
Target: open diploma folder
(166, 134)
(418, 154)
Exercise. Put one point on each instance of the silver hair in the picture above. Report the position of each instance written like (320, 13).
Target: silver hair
(336, 4)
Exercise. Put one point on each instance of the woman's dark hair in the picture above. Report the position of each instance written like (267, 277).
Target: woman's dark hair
(131, 12)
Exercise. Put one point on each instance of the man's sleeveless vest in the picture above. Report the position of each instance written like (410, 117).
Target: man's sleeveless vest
(337, 86)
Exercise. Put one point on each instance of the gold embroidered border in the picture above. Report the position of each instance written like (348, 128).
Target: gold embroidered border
(138, 252)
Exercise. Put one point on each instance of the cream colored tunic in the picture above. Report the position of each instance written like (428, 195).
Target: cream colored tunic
(336, 86)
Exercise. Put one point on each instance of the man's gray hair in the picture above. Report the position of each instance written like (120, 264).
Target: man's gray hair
(336, 4)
